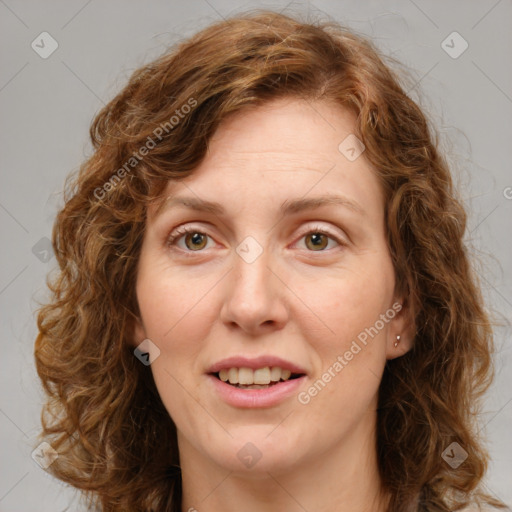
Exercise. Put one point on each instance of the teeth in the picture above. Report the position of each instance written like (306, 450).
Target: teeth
(275, 374)
(254, 378)
(262, 375)
(245, 376)
(233, 375)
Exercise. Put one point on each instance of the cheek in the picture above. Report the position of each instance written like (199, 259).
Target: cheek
(341, 306)
(350, 353)
(176, 308)
(177, 313)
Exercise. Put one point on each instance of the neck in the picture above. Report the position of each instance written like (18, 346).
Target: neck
(346, 479)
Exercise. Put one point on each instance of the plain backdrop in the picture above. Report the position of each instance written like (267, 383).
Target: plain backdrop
(47, 105)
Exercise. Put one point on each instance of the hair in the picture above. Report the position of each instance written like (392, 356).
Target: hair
(103, 414)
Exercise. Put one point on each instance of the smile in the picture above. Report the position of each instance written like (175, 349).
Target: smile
(255, 382)
(260, 378)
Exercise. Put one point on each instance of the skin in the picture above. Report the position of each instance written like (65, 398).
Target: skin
(295, 301)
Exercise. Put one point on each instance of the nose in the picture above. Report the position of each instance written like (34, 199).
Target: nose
(255, 297)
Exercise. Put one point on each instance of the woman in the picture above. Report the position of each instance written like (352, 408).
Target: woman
(264, 300)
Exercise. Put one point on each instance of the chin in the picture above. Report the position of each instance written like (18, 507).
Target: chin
(258, 450)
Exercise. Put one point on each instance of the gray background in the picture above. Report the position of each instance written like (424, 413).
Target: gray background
(46, 106)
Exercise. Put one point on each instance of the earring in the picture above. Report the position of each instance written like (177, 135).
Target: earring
(397, 341)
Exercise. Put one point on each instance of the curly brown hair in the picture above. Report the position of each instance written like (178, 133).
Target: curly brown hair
(104, 417)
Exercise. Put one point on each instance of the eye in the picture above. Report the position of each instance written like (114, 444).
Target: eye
(317, 239)
(194, 239)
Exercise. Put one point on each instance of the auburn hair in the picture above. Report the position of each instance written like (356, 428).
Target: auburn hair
(103, 414)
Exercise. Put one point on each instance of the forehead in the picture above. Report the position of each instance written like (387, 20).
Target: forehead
(283, 150)
(304, 131)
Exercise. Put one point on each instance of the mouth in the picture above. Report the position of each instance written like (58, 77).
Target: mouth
(259, 378)
(255, 382)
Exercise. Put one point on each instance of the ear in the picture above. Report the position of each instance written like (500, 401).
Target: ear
(401, 330)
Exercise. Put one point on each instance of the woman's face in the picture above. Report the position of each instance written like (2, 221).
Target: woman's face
(271, 283)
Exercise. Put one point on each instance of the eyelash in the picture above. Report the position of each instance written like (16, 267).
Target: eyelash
(181, 231)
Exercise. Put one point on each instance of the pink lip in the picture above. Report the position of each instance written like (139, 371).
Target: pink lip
(256, 398)
(254, 363)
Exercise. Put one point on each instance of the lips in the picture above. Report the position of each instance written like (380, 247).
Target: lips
(245, 377)
(260, 371)
(254, 364)
(258, 382)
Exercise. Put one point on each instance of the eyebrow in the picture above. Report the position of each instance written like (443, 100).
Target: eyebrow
(287, 208)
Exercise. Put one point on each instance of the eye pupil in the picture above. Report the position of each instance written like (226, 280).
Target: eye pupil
(196, 238)
(318, 240)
